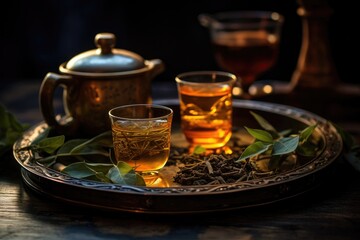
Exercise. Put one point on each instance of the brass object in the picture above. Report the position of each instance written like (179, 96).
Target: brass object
(93, 82)
(315, 67)
(176, 199)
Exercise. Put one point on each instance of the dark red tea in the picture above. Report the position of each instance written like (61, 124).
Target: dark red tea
(246, 54)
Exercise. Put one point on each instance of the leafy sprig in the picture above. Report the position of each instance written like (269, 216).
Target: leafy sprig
(55, 150)
(276, 146)
(351, 148)
(10, 129)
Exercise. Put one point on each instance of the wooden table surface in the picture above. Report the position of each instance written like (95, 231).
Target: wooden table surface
(331, 211)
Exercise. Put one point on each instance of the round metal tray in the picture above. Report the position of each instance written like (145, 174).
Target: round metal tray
(200, 198)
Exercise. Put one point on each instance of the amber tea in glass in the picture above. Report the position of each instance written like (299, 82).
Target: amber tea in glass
(206, 107)
(245, 43)
(246, 54)
(141, 136)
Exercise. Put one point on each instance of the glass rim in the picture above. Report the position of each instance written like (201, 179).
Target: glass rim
(272, 15)
(147, 105)
(241, 19)
(232, 77)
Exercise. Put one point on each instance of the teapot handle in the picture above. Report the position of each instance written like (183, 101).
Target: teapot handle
(66, 125)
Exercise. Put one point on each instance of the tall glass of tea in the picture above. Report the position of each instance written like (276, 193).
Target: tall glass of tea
(245, 43)
(206, 107)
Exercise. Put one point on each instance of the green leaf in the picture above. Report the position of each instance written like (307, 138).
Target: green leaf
(285, 145)
(123, 173)
(263, 123)
(306, 133)
(307, 149)
(261, 135)
(15, 124)
(347, 138)
(47, 161)
(78, 170)
(199, 150)
(254, 150)
(124, 168)
(51, 144)
(103, 140)
(351, 149)
(67, 149)
(100, 167)
(353, 157)
(11, 136)
(68, 146)
(99, 176)
(91, 149)
(4, 118)
(85, 170)
(10, 130)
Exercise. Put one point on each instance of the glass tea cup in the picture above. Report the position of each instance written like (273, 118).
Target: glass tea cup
(206, 107)
(141, 136)
(245, 43)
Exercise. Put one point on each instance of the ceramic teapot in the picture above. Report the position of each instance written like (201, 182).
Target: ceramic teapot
(93, 82)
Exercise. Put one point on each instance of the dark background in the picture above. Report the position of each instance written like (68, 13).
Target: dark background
(37, 36)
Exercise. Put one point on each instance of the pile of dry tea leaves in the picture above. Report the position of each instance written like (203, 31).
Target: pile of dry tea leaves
(217, 168)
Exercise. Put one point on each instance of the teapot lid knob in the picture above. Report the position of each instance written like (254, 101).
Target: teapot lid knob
(105, 42)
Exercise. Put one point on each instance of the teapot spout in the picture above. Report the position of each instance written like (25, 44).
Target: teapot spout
(157, 67)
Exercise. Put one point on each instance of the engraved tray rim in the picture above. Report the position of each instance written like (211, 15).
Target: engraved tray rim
(187, 199)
